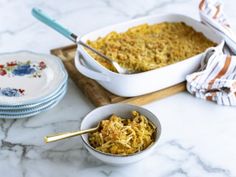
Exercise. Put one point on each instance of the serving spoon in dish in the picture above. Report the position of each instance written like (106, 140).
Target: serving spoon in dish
(61, 136)
(37, 13)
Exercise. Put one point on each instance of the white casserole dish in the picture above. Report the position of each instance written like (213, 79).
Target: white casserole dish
(145, 82)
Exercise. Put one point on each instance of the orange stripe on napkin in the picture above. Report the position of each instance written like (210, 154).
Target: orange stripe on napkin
(221, 73)
(201, 4)
(217, 11)
(210, 98)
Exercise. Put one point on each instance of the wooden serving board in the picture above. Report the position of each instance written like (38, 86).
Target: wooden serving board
(96, 93)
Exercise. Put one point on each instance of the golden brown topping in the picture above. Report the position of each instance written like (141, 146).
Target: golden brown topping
(123, 136)
(146, 47)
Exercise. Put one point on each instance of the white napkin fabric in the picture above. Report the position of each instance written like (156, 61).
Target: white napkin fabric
(216, 78)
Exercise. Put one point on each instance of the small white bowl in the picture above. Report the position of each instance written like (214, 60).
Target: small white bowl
(123, 110)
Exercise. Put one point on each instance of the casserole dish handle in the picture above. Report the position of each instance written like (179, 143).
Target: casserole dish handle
(88, 72)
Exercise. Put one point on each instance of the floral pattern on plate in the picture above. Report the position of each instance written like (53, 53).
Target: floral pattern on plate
(11, 92)
(18, 68)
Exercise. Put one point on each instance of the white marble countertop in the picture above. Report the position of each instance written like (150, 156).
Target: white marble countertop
(198, 137)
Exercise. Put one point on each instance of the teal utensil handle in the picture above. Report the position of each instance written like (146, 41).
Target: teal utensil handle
(37, 13)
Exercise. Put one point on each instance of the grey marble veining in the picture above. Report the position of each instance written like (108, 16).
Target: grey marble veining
(198, 138)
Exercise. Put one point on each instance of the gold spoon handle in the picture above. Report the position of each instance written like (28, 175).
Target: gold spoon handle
(60, 136)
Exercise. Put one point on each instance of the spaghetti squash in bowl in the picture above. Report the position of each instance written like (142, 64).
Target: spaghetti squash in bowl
(124, 137)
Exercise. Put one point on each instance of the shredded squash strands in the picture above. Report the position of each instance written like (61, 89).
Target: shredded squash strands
(146, 47)
(123, 136)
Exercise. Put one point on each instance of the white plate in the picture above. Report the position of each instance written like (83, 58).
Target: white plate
(27, 77)
(35, 112)
(27, 106)
(26, 110)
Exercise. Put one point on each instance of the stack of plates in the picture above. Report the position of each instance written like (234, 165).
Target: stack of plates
(30, 83)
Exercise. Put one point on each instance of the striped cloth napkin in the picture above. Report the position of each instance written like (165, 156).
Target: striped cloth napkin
(216, 78)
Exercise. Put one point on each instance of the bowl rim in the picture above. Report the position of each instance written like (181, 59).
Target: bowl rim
(151, 146)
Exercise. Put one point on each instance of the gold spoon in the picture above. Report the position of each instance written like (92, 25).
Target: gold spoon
(60, 136)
